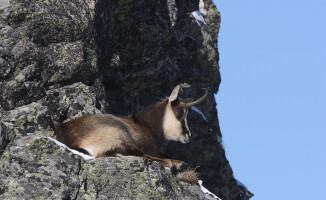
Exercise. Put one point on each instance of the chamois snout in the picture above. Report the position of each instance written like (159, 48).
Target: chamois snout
(175, 126)
(185, 139)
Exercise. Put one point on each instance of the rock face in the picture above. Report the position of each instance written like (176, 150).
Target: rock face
(34, 167)
(64, 59)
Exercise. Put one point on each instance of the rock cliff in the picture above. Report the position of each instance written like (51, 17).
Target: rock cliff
(64, 59)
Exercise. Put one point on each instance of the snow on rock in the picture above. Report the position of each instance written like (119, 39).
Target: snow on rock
(86, 157)
(167, 169)
(199, 112)
(199, 17)
(219, 138)
(200, 182)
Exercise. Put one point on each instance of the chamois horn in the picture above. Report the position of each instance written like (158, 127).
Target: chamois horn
(198, 100)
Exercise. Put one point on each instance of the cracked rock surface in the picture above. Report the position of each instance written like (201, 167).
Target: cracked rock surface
(34, 167)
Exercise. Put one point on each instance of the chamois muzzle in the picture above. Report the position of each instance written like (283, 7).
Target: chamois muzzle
(188, 105)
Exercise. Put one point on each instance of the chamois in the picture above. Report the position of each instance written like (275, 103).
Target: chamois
(141, 135)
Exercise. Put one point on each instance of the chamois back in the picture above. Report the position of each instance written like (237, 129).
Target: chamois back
(97, 134)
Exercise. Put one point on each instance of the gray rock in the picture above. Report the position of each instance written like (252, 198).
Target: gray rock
(5, 68)
(4, 4)
(23, 120)
(64, 59)
(35, 167)
(71, 101)
(132, 177)
(54, 37)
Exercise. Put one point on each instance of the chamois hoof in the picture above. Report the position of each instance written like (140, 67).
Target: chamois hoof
(179, 166)
(183, 167)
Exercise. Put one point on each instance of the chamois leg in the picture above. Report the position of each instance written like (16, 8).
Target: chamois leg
(170, 163)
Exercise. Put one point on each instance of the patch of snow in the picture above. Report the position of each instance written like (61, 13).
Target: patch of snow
(199, 112)
(200, 182)
(202, 8)
(167, 169)
(219, 139)
(199, 17)
(86, 157)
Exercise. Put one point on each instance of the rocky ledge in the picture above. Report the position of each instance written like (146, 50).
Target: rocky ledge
(34, 167)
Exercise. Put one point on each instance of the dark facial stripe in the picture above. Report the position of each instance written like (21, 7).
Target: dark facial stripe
(184, 127)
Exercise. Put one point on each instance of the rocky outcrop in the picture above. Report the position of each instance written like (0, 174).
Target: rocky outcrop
(34, 167)
(64, 59)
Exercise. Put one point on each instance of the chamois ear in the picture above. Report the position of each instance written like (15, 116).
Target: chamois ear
(174, 94)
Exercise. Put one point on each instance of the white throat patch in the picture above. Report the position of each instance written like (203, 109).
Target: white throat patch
(172, 127)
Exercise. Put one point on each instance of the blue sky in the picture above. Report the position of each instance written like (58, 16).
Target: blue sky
(272, 100)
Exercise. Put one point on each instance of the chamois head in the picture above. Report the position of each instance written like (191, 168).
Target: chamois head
(175, 125)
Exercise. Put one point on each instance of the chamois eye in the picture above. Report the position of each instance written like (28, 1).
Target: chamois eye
(179, 115)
